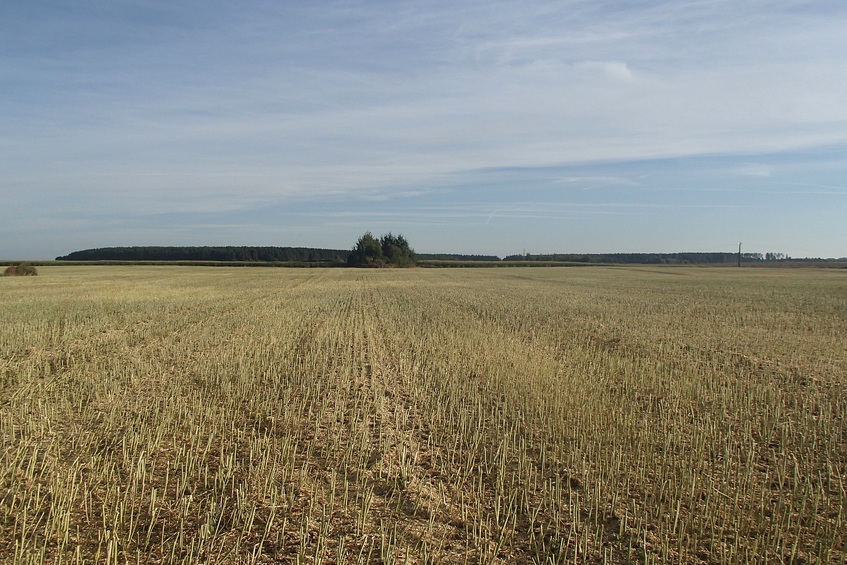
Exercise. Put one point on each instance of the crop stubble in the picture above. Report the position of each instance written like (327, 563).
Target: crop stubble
(170, 415)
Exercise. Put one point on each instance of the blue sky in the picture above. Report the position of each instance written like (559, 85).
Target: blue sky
(470, 127)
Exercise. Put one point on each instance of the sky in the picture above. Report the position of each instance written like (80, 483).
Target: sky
(485, 127)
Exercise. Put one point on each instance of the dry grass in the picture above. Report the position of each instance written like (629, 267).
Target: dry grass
(193, 415)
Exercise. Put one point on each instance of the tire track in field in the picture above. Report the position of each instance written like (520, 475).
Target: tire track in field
(502, 423)
(410, 490)
(368, 442)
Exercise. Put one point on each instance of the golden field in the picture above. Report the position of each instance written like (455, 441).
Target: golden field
(516, 415)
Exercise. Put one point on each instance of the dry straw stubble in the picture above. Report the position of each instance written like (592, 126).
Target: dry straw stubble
(181, 415)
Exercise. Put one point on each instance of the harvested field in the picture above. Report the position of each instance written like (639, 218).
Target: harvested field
(522, 415)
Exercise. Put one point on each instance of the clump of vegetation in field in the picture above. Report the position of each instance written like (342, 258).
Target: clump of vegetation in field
(389, 250)
(20, 270)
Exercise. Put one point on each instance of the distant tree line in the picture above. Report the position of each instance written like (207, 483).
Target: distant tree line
(642, 258)
(228, 253)
(454, 257)
(391, 250)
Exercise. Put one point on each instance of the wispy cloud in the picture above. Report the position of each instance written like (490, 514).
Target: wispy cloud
(755, 170)
(616, 70)
(595, 182)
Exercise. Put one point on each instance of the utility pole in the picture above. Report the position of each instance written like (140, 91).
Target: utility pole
(739, 253)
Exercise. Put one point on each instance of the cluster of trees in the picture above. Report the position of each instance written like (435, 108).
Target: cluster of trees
(770, 256)
(388, 250)
(229, 253)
